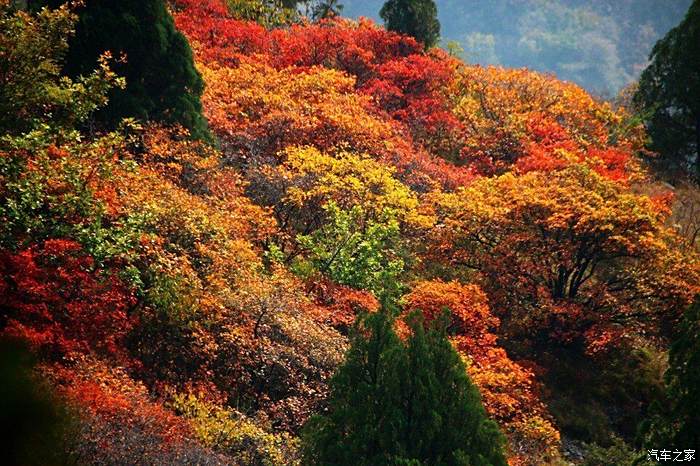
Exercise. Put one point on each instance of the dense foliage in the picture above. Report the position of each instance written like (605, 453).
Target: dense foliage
(189, 303)
(675, 419)
(154, 58)
(33, 91)
(669, 95)
(32, 422)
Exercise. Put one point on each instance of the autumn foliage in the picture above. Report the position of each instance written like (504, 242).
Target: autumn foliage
(61, 303)
(569, 254)
(510, 392)
(191, 302)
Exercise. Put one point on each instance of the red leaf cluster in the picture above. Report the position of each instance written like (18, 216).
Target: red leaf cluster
(61, 302)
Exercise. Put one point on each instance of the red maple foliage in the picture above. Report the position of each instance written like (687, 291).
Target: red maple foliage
(59, 301)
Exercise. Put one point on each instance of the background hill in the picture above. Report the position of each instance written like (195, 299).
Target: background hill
(601, 45)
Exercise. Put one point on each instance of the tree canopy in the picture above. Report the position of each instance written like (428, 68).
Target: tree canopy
(191, 303)
(416, 18)
(669, 96)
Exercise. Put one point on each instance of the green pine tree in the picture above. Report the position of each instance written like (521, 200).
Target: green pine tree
(162, 83)
(669, 95)
(407, 403)
(417, 18)
(327, 9)
(676, 421)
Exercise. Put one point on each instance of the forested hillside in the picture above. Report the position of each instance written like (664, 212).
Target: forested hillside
(601, 45)
(235, 236)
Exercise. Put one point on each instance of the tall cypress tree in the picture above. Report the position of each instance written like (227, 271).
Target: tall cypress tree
(669, 93)
(417, 18)
(395, 402)
(162, 83)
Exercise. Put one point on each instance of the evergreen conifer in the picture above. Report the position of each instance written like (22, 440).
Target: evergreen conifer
(676, 421)
(408, 403)
(162, 83)
(417, 18)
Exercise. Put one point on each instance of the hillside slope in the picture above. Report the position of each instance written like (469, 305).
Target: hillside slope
(188, 303)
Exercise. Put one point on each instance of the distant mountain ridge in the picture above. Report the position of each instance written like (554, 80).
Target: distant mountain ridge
(600, 44)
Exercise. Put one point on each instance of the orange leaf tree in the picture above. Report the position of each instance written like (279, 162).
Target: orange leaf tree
(567, 254)
(509, 390)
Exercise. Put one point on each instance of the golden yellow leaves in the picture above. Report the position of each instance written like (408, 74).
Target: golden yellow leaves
(348, 179)
(271, 109)
(566, 252)
(503, 111)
